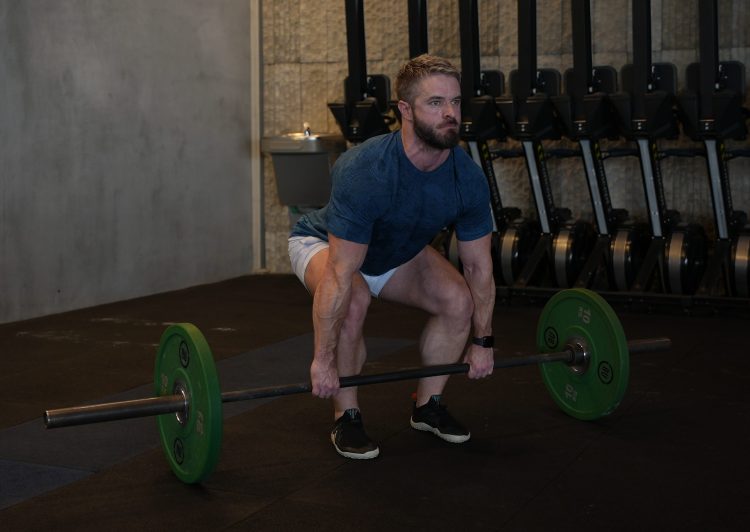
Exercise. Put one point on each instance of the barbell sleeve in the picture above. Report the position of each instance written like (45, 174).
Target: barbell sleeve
(647, 345)
(167, 404)
(98, 413)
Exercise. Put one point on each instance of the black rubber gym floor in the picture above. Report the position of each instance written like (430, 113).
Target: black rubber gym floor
(674, 456)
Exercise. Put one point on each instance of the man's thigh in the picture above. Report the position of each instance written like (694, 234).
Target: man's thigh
(424, 282)
(315, 269)
(302, 252)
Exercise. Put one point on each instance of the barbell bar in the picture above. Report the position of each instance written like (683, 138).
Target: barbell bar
(180, 402)
(584, 360)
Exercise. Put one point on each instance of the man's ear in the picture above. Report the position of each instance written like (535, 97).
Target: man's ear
(405, 109)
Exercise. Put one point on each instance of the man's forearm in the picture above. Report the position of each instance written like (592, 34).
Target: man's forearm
(482, 286)
(329, 310)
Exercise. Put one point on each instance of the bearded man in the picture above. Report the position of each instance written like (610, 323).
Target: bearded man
(390, 196)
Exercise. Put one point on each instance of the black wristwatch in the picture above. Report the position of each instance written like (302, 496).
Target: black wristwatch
(484, 341)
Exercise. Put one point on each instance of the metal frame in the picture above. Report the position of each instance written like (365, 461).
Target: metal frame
(366, 97)
(418, 41)
(478, 115)
(720, 91)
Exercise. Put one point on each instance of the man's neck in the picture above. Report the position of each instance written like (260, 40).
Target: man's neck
(424, 157)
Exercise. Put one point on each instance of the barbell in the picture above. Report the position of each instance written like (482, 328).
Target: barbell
(584, 360)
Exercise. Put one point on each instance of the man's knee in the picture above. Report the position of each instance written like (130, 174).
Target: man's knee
(359, 303)
(457, 303)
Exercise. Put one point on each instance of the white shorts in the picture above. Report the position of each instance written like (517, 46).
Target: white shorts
(304, 248)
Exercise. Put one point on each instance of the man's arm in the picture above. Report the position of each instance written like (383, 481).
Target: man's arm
(330, 305)
(476, 259)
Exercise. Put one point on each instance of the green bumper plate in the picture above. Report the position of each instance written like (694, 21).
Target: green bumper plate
(596, 389)
(192, 447)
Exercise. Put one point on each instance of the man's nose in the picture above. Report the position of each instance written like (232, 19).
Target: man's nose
(451, 110)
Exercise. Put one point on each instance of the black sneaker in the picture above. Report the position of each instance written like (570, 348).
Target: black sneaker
(434, 417)
(349, 438)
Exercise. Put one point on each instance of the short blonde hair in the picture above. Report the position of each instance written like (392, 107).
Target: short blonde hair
(417, 69)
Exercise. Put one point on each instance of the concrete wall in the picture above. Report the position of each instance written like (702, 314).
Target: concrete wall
(123, 149)
(305, 63)
(124, 128)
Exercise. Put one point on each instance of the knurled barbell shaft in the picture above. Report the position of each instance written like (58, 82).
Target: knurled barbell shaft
(401, 375)
(168, 404)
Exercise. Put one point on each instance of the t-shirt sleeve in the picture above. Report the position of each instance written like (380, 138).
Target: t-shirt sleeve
(475, 218)
(358, 199)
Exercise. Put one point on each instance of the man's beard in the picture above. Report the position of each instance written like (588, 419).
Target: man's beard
(438, 140)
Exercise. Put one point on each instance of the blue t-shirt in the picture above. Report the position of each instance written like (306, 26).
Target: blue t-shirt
(380, 198)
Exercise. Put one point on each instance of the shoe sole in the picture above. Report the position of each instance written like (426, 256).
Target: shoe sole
(369, 455)
(451, 438)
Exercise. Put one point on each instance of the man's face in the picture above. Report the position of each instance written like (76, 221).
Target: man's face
(436, 111)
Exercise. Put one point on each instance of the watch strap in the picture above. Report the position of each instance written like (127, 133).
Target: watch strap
(484, 341)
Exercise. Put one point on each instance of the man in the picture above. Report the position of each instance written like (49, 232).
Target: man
(391, 195)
